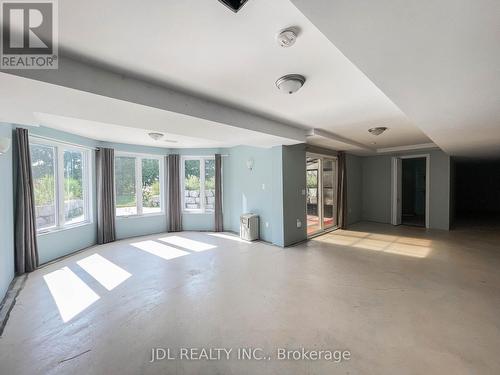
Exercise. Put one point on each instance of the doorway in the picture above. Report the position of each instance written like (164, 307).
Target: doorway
(321, 180)
(410, 190)
(413, 192)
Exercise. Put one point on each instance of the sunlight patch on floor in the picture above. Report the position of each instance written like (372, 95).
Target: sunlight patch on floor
(159, 249)
(399, 245)
(69, 292)
(188, 244)
(108, 274)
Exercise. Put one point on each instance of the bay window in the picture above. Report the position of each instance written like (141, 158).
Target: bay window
(61, 184)
(138, 185)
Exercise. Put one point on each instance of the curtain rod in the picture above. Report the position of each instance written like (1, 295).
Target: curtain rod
(63, 142)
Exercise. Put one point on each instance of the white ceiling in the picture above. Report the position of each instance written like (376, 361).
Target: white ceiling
(201, 47)
(439, 61)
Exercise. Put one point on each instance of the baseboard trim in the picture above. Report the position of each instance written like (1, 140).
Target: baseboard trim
(9, 300)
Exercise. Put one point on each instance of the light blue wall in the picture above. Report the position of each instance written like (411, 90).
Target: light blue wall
(6, 216)
(354, 191)
(294, 197)
(376, 191)
(250, 190)
(276, 163)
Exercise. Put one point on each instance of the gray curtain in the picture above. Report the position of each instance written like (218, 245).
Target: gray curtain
(105, 174)
(219, 225)
(25, 243)
(342, 191)
(174, 195)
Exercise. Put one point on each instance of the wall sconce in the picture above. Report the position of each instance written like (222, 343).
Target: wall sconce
(250, 164)
(4, 145)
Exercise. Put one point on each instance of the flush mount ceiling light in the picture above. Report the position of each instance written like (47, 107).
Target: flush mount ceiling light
(155, 136)
(290, 83)
(287, 37)
(170, 141)
(378, 130)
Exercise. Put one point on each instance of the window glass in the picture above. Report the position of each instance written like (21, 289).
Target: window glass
(151, 202)
(209, 184)
(43, 168)
(74, 200)
(126, 202)
(192, 191)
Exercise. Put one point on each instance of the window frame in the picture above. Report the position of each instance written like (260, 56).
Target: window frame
(59, 149)
(202, 209)
(138, 183)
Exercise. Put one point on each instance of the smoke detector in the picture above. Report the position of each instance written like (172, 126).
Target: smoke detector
(378, 130)
(287, 37)
(155, 136)
(290, 83)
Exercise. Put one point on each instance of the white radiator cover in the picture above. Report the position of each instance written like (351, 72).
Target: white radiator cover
(249, 227)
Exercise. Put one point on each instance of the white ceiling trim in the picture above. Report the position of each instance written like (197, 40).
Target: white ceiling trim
(407, 148)
(335, 137)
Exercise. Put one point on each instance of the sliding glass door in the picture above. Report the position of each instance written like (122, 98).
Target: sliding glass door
(329, 197)
(321, 193)
(313, 204)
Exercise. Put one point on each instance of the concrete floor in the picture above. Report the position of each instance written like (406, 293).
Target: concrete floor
(401, 300)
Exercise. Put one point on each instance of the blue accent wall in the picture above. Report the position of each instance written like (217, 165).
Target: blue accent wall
(6, 216)
(254, 190)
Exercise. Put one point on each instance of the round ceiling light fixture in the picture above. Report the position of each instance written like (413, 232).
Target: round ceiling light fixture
(290, 83)
(155, 136)
(378, 130)
(287, 37)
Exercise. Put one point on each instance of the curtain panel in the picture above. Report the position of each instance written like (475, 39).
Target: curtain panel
(219, 223)
(25, 241)
(106, 212)
(174, 210)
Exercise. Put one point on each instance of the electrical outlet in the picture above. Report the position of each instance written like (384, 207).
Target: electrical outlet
(263, 186)
(267, 224)
(299, 223)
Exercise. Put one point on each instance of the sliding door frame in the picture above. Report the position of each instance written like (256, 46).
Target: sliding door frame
(320, 198)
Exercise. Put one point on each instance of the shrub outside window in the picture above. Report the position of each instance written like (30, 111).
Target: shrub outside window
(61, 184)
(138, 185)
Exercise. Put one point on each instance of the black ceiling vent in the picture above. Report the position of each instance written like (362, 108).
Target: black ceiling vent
(234, 5)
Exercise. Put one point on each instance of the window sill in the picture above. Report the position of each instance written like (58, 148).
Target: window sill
(62, 229)
(197, 212)
(139, 216)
